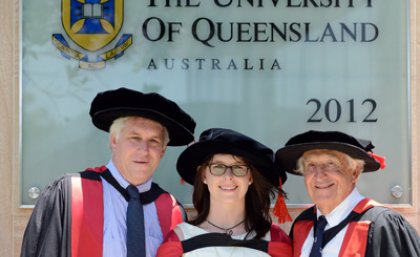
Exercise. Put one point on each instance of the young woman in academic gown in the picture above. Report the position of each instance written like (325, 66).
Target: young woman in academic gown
(234, 178)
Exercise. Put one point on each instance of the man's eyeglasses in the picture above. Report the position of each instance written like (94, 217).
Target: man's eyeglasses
(219, 169)
(328, 167)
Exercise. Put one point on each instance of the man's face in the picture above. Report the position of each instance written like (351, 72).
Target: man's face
(328, 178)
(138, 149)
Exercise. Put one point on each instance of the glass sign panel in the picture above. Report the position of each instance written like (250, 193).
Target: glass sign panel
(267, 68)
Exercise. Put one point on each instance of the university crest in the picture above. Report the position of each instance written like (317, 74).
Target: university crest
(92, 25)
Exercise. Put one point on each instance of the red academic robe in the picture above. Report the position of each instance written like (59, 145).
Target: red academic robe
(67, 220)
(375, 231)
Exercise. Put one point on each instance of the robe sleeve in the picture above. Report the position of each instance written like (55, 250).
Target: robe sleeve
(277, 234)
(391, 235)
(280, 244)
(171, 247)
(47, 232)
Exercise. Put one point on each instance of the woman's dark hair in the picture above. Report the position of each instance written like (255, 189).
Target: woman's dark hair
(257, 200)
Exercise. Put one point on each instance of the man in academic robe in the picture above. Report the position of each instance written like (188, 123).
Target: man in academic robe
(342, 222)
(86, 214)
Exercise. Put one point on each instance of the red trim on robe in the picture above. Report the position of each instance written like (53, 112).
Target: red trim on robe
(169, 213)
(98, 169)
(171, 247)
(355, 238)
(279, 249)
(365, 204)
(280, 244)
(87, 218)
(88, 215)
(300, 233)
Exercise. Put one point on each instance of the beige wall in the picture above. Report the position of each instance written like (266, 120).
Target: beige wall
(13, 219)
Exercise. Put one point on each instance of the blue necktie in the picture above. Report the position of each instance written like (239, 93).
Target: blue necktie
(319, 235)
(136, 246)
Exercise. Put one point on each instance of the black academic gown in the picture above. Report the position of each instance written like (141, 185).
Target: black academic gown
(391, 235)
(54, 230)
(373, 231)
(48, 231)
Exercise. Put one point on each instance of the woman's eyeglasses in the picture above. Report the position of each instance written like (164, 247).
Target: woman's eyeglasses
(219, 169)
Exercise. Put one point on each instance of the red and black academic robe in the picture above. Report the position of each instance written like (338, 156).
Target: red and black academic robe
(278, 246)
(67, 220)
(373, 231)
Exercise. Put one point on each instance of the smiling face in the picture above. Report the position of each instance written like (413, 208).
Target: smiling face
(137, 147)
(330, 176)
(227, 187)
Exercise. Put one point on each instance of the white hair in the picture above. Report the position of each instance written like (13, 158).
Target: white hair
(345, 159)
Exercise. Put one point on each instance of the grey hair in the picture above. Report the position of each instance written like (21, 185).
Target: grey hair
(118, 124)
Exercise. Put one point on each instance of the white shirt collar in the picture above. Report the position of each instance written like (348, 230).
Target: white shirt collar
(123, 182)
(343, 209)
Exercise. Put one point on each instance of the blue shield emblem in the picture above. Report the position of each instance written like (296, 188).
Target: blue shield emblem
(92, 24)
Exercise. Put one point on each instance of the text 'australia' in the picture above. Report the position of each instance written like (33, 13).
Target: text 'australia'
(215, 64)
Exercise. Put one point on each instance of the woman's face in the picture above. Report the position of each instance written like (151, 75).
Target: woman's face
(227, 186)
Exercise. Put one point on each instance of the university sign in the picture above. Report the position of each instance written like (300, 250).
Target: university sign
(267, 68)
(92, 25)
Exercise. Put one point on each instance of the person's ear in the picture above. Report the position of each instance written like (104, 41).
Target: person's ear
(112, 140)
(356, 173)
(203, 175)
(163, 152)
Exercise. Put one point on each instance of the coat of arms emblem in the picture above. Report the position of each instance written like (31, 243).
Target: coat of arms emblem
(92, 25)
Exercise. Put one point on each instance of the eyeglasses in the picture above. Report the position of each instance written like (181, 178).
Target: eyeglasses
(328, 167)
(219, 169)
